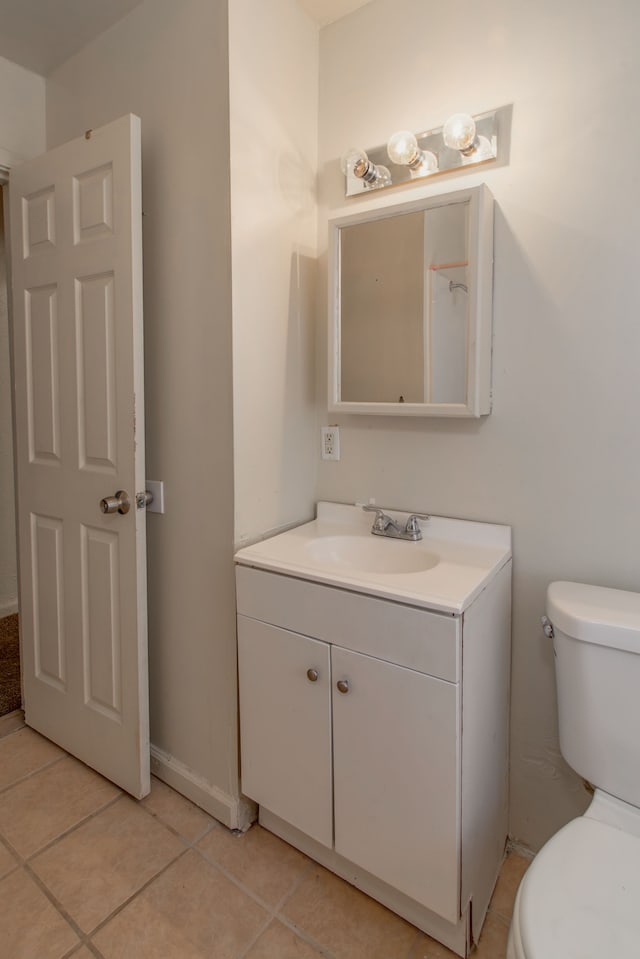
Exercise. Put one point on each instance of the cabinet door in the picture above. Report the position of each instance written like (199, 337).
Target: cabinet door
(285, 725)
(396, 777)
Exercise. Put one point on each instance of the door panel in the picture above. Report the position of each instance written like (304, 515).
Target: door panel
(397, 777)
(76, 250)
(285, 726)
(48, 628)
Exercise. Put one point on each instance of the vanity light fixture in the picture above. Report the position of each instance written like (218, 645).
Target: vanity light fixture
(462, 141)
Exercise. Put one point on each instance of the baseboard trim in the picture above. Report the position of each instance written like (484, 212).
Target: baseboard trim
(235, 812)
(514, 845)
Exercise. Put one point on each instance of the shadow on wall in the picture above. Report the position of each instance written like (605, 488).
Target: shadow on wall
(298, 439)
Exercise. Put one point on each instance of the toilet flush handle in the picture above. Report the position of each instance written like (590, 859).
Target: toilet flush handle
(547, 627)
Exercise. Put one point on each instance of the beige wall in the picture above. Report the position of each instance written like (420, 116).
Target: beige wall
(559, 457)
(168, 62)
(273, 54)
(22, 113)
(22, 135)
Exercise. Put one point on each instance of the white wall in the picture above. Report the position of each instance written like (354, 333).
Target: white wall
(559, 457)
(22, 135)
(273, 62)
(22, 113)
(168, 62)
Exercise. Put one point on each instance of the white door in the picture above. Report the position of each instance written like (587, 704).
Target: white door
(76, 251)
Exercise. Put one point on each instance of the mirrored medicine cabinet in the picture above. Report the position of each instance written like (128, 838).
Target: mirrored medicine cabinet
(410, 307)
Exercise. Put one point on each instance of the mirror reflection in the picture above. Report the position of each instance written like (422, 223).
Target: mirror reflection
(404, 307)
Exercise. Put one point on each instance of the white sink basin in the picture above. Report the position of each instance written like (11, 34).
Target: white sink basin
(371, 554)
(444, 571)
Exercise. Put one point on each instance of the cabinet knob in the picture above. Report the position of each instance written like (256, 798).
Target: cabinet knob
(312, 675)
(343, 685)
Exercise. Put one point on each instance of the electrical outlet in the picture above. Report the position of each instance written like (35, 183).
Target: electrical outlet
(330, 443)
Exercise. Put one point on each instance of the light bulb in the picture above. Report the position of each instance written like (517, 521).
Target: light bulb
(381, 179)
(355, 162)
(428, 164)
(482, 149)
(459, 132)
(350, 159)
(403, 148)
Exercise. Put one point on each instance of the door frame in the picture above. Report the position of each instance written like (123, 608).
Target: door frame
(7, 161)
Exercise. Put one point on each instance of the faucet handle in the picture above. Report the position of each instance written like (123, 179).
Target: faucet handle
(412, 525)
(381, 520)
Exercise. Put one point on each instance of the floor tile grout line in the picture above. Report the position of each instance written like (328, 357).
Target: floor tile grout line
(85, 944)
(281, 917)
(134, 895)
(236, 882)
(275, 913)
(213, 824)
(55, 902)
(85, 937)
(305, 936)
(13, 852)
(416, 939)
(68, 832)
(262, 929)
(34, 772)
(304, 874)
(3, 735)
(94, 949)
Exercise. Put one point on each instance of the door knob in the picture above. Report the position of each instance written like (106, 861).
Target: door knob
(343, 685)
(120, 503)
(313, 675)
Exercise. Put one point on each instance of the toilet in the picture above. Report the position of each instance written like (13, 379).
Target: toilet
(580, 897)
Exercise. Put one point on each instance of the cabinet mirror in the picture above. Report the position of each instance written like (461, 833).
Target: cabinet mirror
(410, 306)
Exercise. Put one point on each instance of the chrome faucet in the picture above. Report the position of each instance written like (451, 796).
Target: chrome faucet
(384, 525)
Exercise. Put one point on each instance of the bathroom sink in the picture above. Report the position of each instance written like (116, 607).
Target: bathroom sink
(371, 554)
(445, 570)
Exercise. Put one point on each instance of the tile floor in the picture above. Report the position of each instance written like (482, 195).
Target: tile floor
(86, 871)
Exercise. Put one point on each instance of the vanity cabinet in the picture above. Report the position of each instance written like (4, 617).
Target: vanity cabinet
(341, 744)
(374, 738)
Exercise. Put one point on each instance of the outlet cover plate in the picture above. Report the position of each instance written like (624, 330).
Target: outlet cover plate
(330, 443)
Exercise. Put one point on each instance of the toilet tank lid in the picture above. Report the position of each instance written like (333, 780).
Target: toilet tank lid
(596, 614)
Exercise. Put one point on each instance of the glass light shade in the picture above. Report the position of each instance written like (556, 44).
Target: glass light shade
(403, 148)
(383, 177)
(428, 164)
(351, 158)
(459, 131)
(483, 149)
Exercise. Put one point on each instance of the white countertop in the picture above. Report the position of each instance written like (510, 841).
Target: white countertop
(466, 556)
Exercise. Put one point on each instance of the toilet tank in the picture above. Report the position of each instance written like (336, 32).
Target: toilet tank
(597, 654)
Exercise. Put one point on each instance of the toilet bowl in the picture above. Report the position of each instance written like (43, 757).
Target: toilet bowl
(580, 897)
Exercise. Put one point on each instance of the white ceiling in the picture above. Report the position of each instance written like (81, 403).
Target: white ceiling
(41, 34)
(326, 11)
